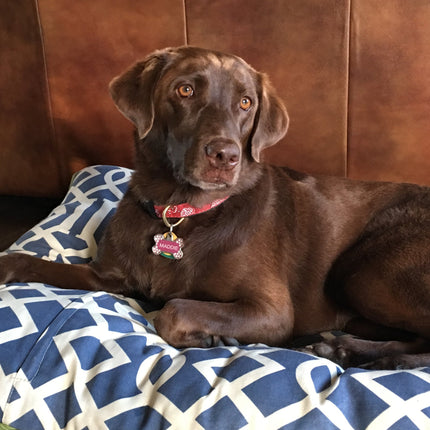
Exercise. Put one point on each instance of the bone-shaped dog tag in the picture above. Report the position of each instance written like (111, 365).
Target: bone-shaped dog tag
(168, 245)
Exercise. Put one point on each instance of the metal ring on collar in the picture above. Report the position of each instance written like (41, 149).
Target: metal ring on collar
(166, 222)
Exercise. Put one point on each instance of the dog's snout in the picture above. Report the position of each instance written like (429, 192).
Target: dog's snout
(223, 155)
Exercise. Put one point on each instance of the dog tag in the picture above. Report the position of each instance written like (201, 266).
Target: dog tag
(168, 245)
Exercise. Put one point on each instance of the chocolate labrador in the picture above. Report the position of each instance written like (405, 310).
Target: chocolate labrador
(236, 248)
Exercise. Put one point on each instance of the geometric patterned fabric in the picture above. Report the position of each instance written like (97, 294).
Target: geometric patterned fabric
(73, 359)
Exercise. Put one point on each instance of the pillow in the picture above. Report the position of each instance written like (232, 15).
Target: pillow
(70, 234)
(90, 360)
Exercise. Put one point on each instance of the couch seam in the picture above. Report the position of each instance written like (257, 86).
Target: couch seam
(184, 7)
(54, 135)
(348, 89)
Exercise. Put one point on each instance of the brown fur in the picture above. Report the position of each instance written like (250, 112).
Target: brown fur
(286, 255)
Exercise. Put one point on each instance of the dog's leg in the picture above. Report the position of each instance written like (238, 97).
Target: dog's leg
(18, 267)
(385, 279)
(349, 351)
(400, 361)
(192, 323)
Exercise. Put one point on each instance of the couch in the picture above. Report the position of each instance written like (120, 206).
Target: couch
(355, 77)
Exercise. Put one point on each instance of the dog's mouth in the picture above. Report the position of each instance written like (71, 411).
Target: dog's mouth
(214, 179)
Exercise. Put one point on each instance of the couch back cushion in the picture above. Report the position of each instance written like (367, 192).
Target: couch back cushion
(355, 77)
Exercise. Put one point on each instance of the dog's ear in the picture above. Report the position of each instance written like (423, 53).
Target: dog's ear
(271, 121)
(133, 91)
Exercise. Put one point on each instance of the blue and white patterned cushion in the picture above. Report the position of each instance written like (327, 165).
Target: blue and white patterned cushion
(82, 360)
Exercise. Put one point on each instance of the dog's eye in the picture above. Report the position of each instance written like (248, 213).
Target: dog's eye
(185, 90)
(245, 103)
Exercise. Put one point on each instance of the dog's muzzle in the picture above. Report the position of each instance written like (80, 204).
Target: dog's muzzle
(218, 166)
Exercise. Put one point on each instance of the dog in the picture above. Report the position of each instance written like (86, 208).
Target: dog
(231, 247)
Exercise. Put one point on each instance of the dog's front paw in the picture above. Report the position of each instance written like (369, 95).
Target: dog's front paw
(335, 350)
(13, 267)
(175, 324)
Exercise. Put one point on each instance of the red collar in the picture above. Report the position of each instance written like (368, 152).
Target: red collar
(184, 210)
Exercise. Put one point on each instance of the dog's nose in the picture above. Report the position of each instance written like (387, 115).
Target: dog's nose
(223, 154)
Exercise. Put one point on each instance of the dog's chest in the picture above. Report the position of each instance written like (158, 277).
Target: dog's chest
(209, 266)
(199, 274)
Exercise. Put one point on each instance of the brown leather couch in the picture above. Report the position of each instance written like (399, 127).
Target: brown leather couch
(355, 76)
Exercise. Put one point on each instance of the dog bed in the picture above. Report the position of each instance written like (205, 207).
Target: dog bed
(90, 360)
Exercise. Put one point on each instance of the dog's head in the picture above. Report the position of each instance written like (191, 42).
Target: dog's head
(209, 114)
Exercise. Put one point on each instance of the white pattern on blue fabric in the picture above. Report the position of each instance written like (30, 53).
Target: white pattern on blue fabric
(81, 360)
